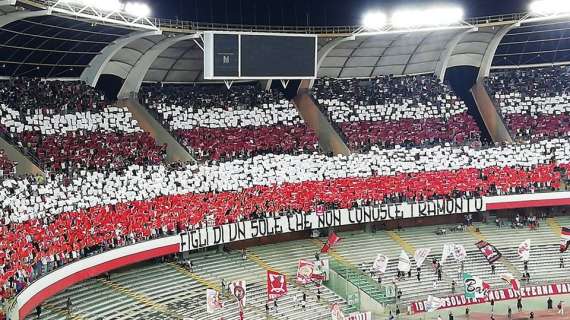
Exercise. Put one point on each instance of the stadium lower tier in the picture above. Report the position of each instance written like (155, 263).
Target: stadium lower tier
(93, 150)
(177, 291)
(33, 247)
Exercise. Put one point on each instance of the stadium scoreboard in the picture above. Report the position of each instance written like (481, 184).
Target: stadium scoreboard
(253, 56)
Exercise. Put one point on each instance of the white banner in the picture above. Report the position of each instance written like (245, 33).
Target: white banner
(321, 270)
(359, 316)
(213, 301)
(459, 252)
(336, 312)
(433, 303)
(239, 290)
(380, 263)
(420, 256)
(448, 249)
(250, 229)
(524, 250)
(404, 263)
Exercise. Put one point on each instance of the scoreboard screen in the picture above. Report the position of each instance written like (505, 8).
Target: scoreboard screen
(236, 56)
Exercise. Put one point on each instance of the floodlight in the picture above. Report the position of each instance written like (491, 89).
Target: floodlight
(374, 20)
(550, 7)
(426, 17)
(137, 9)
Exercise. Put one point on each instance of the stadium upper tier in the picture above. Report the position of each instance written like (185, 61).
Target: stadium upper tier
(67, 126)
(222, 124)
(534, 102)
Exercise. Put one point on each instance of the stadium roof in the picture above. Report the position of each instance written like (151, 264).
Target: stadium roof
(40, 41)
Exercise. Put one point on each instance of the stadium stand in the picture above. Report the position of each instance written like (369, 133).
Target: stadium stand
(174, 289)
(108, 185)
(533, 101)
(69, 126)
(217, 123)
(176, 292)
(246, 121)
(127, 208)
(389, 111)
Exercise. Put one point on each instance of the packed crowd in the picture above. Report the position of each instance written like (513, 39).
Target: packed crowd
(32, 96)
(361, 135)
(24, 199)
(46, 223)
(63, 218)
(385, 111)
(231, 143)
(69, 126)
(217, 123)
(534, 102)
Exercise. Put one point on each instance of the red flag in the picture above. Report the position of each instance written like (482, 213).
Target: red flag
(276, 285)
(331, 242)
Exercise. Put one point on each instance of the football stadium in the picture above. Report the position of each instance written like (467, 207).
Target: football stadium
(284, 160)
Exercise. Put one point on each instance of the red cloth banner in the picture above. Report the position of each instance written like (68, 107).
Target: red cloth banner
(276, 285)
(489, 251)
(331, 242)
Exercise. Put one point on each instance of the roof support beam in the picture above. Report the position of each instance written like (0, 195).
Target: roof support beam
(326, 49)
(443, 61)
(136, 75)
(20, 15)
(91, 74)
(492, 49)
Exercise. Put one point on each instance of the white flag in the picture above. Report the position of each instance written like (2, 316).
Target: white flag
(459, 252)
(213, 301)
(447, 251)
(420, 256)
(433, 303)
(380, 264)
(524, 250)
(239, 290)
(404, 262)
(336, 312)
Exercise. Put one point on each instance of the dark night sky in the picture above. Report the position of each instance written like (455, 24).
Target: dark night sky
(316, 12)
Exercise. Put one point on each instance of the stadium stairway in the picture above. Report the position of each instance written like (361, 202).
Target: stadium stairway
(491, 116)
(174, 150)
(24, 165)
(330, 140)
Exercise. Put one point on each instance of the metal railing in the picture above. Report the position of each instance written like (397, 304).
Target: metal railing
(184, 25)
(361, 280)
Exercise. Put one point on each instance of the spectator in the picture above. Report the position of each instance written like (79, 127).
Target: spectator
(549, 303)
